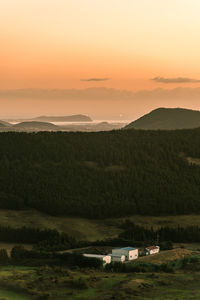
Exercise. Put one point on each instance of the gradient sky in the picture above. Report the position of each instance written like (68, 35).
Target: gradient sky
(56, 43)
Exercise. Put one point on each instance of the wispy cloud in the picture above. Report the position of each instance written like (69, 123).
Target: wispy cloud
(175, 80)
(95, 79)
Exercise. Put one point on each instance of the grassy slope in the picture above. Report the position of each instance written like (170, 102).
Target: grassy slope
(86, 228)
(165, 256)
(78, 227)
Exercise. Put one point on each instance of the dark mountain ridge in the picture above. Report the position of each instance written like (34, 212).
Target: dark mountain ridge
(167, 118)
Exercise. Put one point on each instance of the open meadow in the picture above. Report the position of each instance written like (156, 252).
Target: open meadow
(89, 229)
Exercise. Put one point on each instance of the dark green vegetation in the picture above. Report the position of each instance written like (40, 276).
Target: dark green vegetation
(98, 175)
(45, 238)
(38, 257)
(167, 118)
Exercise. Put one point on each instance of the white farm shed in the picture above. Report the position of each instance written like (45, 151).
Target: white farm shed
(152, 250)
(129, 252)
(118, 258)
(105, 258)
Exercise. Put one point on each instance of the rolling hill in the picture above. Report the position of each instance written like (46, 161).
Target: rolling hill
(4, 124)
(39, 126)
(167, 119)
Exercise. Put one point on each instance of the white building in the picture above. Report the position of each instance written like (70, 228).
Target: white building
(118, 258)
(105, 258)
(152, 250)
(129, 252)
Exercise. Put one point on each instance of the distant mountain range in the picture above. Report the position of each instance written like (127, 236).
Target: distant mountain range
(41, 123)
(35, 126)
(167, 119)
(160, 118)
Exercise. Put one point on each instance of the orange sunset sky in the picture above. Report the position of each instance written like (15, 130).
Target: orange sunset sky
(119, 44)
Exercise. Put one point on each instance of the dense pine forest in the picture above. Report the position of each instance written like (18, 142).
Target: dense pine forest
(98, 175)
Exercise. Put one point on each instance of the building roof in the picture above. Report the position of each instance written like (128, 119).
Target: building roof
(127, 248)
(152, 247)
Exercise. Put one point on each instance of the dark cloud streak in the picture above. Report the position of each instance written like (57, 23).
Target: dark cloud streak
(95, 79)
(175, 80)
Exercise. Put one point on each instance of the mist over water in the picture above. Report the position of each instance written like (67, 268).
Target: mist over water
(93, 122)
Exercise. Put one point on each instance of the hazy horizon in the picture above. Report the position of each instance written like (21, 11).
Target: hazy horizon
(98, 103)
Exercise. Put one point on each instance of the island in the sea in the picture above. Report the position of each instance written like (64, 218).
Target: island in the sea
(73, 118)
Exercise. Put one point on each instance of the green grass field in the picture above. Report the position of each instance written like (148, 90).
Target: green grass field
(60, 283)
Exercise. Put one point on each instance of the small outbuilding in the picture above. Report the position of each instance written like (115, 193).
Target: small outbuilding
(129, 252)
(105, 258)
(152, 250)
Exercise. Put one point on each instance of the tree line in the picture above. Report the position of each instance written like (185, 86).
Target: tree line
(42, 238)
(133, 232)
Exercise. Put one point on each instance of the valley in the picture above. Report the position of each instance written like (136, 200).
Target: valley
(66, 194)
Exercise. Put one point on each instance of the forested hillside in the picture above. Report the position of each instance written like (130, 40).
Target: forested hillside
(106, 174)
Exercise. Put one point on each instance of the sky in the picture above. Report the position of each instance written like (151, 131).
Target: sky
(116, 44)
